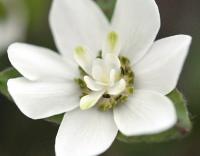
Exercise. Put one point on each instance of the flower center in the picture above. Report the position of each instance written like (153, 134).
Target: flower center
(107, 101)
(106, 80)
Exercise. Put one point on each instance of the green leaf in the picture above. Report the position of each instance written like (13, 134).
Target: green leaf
(57, 119)
(4, 77)
(181, 129)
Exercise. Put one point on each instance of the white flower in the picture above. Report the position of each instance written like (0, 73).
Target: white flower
(123, 89)
(13, 27)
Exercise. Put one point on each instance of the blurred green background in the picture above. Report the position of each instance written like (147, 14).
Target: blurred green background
(21, 136)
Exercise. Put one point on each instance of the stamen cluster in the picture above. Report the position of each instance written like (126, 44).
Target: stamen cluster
(107, 101)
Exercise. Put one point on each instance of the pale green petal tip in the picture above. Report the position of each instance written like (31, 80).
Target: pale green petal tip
(113, 39)
(87, 102)
(86, 105)
(80, 50)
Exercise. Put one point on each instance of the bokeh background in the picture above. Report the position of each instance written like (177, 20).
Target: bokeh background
(21, 136)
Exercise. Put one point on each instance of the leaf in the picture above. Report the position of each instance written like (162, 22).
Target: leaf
(4, 77)
(57, 119)
(107, 7)
(181, 129)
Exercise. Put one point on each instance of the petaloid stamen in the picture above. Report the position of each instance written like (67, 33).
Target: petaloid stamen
(107, 101)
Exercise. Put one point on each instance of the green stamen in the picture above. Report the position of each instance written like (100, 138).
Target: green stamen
(83, 87)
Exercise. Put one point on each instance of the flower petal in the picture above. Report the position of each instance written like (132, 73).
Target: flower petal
(91, 84)
(137, 22)
(36, 63)
(145, 113)
(83, 58)
(85, 133)
(117, 88)
(77, 22)
(159, 70)
(39, 100)
(90, 100)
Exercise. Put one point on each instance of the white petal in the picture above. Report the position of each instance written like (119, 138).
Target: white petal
(90, 100)
(100, 71)
(77, 22)
(85, 133)
(145, 113)
(137, 22)
(118, 88)
(43, 99)
(112, 44)
(83, 58)
(91, 84)
(39, 63)
(159, 70)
